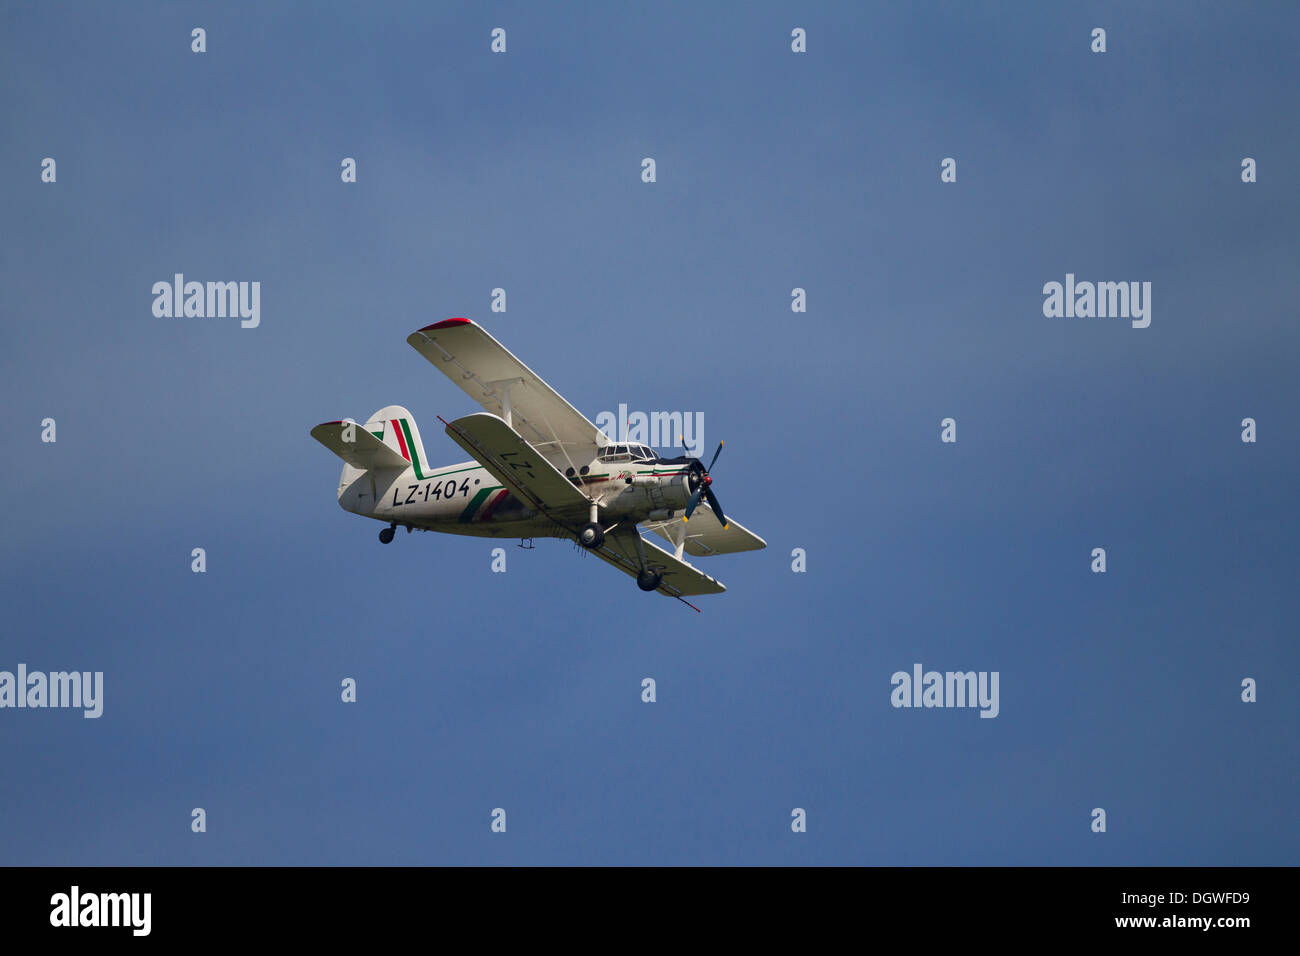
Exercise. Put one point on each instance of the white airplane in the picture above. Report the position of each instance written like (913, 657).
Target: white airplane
(540, 470)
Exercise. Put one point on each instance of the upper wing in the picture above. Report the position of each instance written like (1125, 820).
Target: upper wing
(507, 388)
(510, 459)
(705, 535)
(680, 578)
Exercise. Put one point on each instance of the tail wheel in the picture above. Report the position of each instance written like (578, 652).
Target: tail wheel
(591, 537)
(649, 580)
(386, 536)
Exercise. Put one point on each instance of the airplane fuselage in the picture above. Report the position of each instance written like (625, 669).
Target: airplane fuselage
(466, 499)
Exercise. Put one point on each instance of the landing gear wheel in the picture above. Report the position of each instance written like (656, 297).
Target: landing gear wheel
(649, 580)
(591, 537)
(386, 536)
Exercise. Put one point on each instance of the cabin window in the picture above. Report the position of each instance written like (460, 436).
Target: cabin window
(612, 453)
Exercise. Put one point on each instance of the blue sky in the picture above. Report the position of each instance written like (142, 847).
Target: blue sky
(775, 170)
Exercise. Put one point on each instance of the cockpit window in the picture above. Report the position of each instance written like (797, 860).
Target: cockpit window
(626, 453)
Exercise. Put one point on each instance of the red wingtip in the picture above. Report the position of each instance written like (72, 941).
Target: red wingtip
(445, 324)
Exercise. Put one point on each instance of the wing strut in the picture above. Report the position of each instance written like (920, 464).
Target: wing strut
(555, 436)
(640, 548)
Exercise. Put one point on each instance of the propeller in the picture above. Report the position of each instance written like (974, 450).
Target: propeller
(704, 490)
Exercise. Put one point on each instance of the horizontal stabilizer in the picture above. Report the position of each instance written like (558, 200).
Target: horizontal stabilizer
(358, 447)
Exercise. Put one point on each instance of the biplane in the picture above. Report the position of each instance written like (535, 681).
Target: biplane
(540, 469)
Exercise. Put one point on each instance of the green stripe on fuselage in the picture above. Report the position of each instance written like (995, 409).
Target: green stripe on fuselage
(457, 471)
(475, 502)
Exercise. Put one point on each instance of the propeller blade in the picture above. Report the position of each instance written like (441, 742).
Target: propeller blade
(715, 457)
(713, 503)
(695, 500)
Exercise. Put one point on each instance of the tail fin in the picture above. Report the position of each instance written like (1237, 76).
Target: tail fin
(374, 455)
(395, 427)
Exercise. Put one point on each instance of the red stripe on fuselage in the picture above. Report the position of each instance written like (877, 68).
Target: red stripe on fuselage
(585, 480)
(492, 505)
